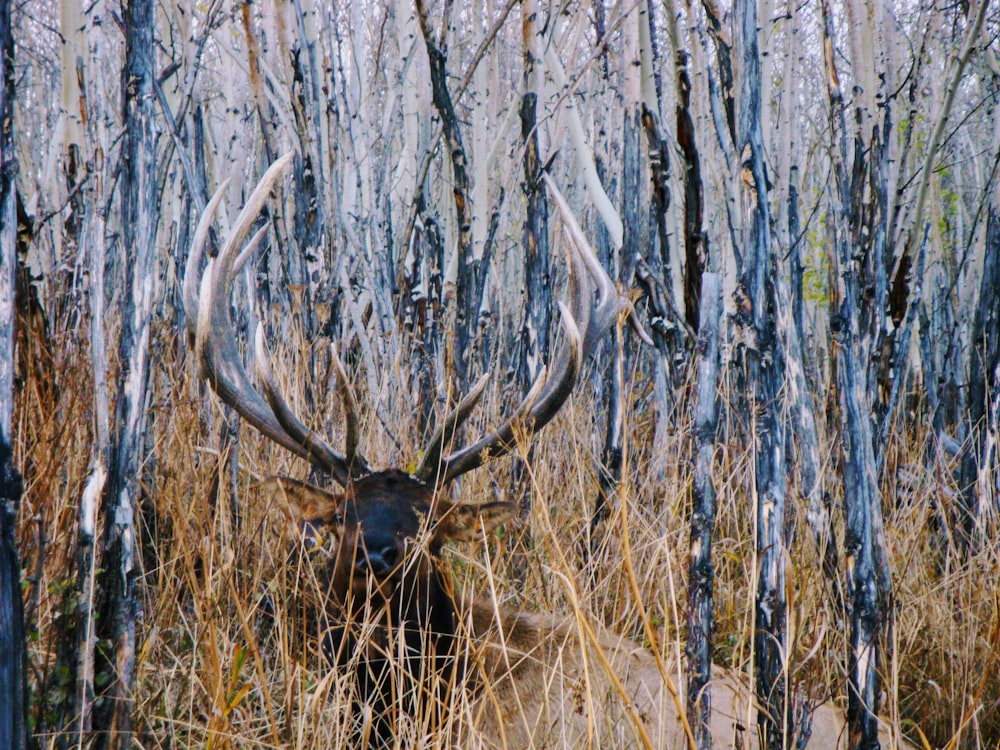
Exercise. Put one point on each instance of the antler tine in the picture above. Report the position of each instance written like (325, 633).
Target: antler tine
(432, 465)
(603, 313)
(549, 392)
(189, 293)
(247, 252)
(537, 408)
(355, 460)
(446, 431)
(340, 467)
(534, 412)
(218, 357)
(220, 366)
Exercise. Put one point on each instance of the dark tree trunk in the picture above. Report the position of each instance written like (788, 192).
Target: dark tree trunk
(726, 91)
(421, 287)
(8, 221)
(610, 470)
(763, 360)
(795, 269)
(469, 268)
(537, 285)
(804, 452)
(485, 333)
(537, 315)
(310, 223)
(873, 222)
(118, 605)
(695, 243)
(607, 387)
(701, 574)
(633, 194)
(13, 659)
(897, 373)
(659, 174)
(867, 586)
(984, 377)
(861, 501)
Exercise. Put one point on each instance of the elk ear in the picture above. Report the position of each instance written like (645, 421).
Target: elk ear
(462, 523)
(301, 500)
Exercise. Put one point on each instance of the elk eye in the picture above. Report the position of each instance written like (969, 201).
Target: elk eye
(338, 519)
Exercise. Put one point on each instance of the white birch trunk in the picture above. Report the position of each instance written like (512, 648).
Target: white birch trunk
(788, 124)
(480, 146)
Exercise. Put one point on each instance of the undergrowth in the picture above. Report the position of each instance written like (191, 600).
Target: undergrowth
(222, 656)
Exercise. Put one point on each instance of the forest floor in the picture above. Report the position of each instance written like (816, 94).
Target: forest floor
(216, 665)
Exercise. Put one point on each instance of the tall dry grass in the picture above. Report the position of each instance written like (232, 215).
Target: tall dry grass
(223, 659)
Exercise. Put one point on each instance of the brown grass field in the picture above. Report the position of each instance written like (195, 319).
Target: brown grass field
(219, 661)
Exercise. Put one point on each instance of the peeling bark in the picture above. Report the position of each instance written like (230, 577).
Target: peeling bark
(701, 573)
(763, 361)
(984, 384)
(695, 243)
(867, 598)
(724, 57)
(119, 606)
(8, 221)
(535, 237)
(13, 656)
(469, 269)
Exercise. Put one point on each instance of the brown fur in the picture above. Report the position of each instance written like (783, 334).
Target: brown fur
(544, 690)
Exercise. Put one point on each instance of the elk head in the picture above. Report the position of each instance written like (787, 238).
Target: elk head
(375, 543)
(364, 538)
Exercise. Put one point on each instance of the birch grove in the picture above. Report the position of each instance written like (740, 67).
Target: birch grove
(808, 468)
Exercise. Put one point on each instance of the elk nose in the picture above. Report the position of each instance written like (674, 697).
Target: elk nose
(380, 559)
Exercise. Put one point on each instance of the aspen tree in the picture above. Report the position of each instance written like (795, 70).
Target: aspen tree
(119, 605)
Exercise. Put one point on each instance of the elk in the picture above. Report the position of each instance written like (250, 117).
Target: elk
(387, 609)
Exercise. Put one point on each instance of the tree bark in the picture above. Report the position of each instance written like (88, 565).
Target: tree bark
(695, 243)
(118, 607)
(421, 298)
(8, 221)
(536, 320)
(763, 359)
(984, 380)
(633, 244)
(659, 169)
(535, 237)
(309, 174)
(469, 269)
(633, 195)
(701, 573)
(92, 102)
(13, 656)
(609, 470)
(725, 57)
(867, 597)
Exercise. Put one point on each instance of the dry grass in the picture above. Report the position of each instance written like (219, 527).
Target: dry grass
(222, 659)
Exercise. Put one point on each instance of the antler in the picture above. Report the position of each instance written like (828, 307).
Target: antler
(584, 323)
(210, 327)
(210, 330)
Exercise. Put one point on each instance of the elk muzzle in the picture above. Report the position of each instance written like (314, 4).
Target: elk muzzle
(380, 554)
